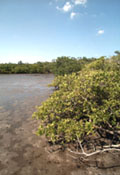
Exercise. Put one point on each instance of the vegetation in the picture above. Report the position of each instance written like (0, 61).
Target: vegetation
(25, 68)
(66, 65)
(85, 106)
(60, 66)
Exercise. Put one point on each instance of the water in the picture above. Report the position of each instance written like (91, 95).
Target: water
(19, 96)
(23, 87)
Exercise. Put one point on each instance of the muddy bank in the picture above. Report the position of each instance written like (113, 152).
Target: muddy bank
(24, 153)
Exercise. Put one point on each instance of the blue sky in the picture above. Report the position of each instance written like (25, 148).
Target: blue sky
(42, 30)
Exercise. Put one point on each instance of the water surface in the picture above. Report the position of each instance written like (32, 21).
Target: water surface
(23, 87)
(19, 96)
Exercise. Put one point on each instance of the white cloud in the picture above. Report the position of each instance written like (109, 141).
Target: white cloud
(80, 2)
(67, 7)
(100, 32)
(72, 15)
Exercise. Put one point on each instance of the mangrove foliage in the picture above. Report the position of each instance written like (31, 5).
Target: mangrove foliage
(85, 106)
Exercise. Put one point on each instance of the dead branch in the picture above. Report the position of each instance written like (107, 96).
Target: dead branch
(108, 131)
(105, 149)
(112, 146)
(93, 153)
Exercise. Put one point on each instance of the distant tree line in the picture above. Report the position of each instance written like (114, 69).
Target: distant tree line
(60, 66)
(23, 68)
(66, 65)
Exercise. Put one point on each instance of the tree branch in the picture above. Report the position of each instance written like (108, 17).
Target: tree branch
(105, 148)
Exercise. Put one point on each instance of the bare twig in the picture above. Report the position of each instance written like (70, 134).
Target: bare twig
(112, 146)
(80, 145)
(93, 153)
(108, 131)
(105, 148)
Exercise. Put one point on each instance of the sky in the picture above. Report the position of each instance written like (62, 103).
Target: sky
(42, 30)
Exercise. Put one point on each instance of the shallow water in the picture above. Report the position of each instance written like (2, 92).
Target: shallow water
(19, 96)
(22, 87)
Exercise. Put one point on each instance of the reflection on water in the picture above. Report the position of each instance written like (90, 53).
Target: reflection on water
(21, 87)
(19, 94)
